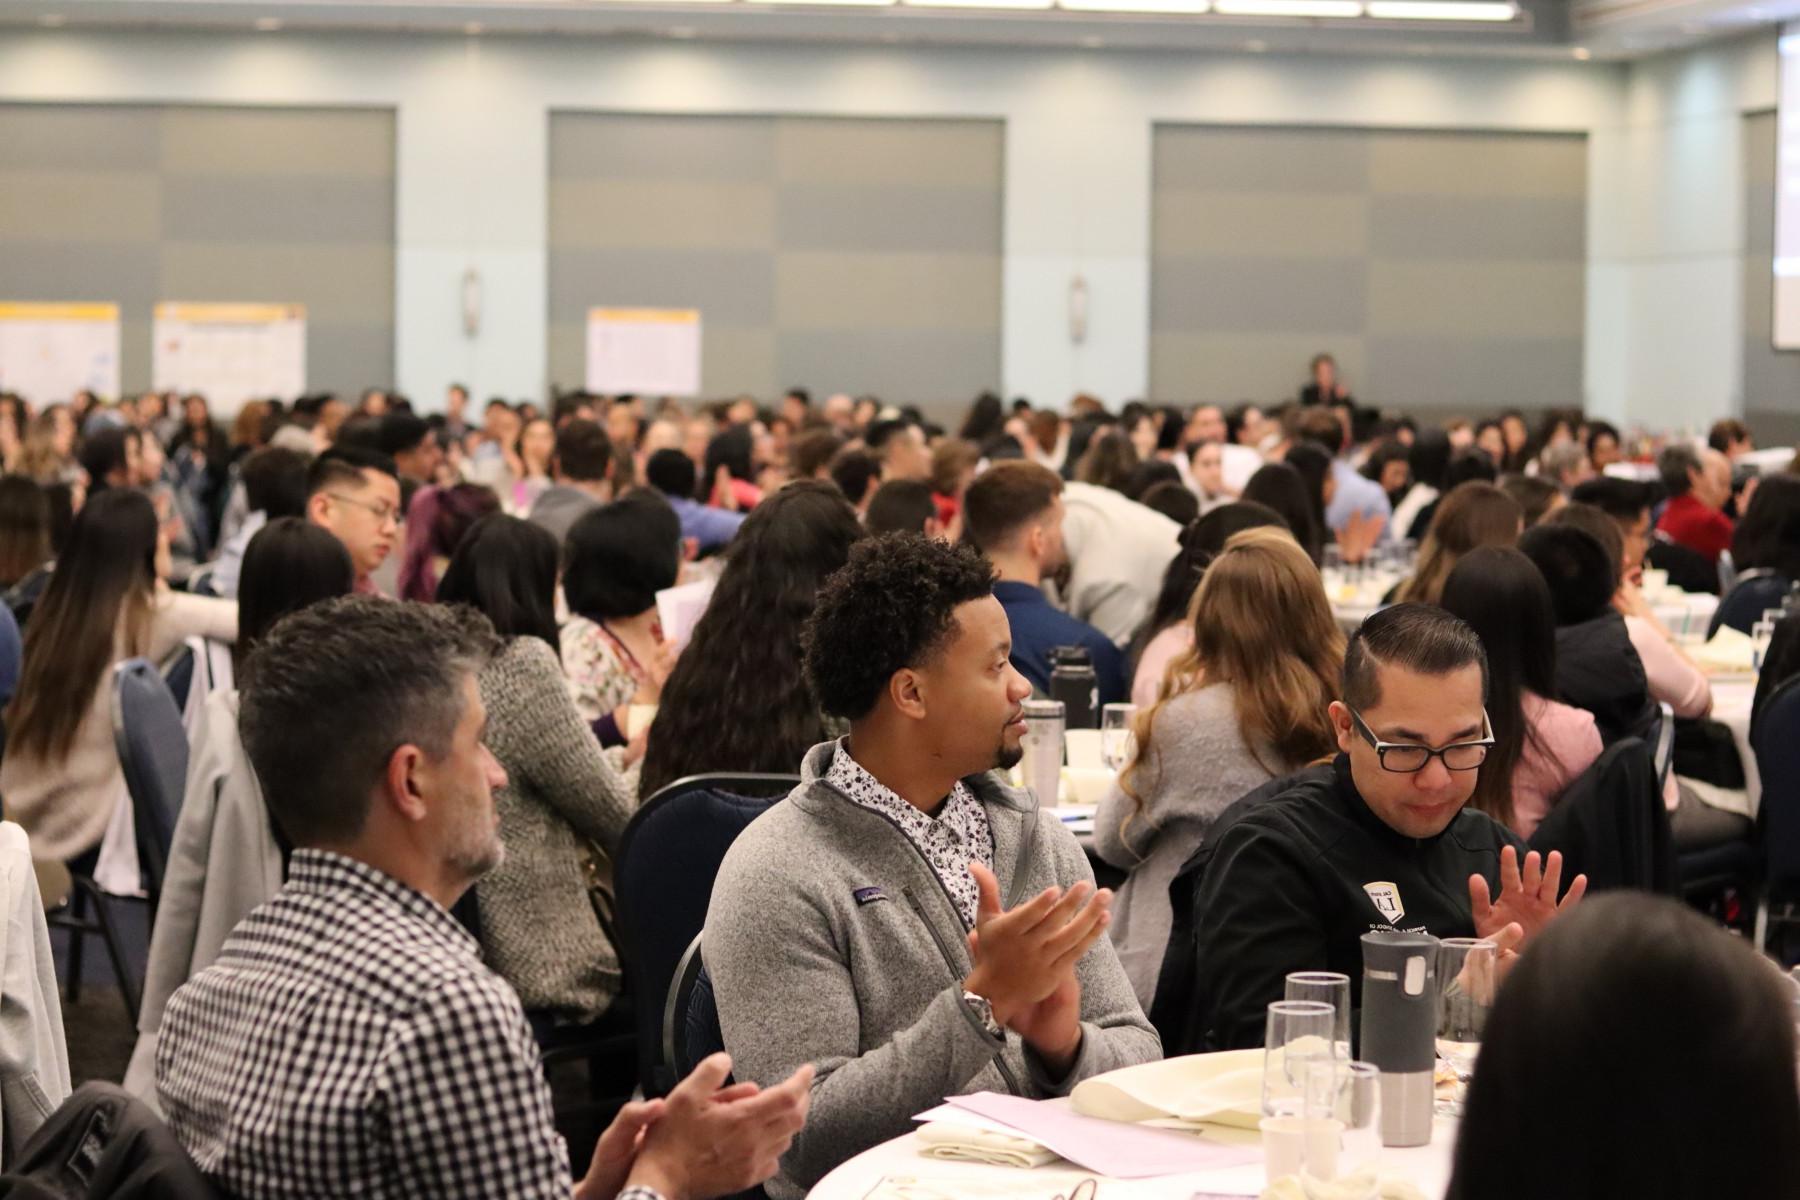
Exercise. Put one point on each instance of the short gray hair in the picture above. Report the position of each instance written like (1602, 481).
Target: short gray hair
(1674, 463)
(333, 690)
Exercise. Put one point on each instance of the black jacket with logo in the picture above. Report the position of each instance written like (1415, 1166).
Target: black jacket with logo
(1291, 882)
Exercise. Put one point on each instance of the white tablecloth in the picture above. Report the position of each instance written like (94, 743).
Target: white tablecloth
(1427, 1167)
(1731, 708)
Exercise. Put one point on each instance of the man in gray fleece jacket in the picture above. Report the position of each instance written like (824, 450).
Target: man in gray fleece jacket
(905, 920)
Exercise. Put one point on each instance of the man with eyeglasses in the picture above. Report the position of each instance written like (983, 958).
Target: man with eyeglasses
(1381, 837)
(355, 493)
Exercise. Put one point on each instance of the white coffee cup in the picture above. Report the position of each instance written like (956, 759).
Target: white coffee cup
(1291, 1144)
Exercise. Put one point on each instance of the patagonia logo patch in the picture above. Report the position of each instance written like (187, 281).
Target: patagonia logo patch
(868, 895)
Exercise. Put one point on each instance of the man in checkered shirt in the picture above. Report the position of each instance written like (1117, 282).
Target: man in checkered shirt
(349, 1040)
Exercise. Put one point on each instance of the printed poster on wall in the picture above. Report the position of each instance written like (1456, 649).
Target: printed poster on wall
(230, 353)
(646, 351)
(48, 352)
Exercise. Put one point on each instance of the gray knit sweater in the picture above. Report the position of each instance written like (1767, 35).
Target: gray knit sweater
(1198, 766)
(538, 928)
(830, 941)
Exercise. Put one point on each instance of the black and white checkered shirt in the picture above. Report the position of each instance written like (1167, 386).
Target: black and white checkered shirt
(349, 1041)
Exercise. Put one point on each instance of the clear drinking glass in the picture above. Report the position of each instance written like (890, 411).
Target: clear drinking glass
(1326, 987)
(1297, 1044)
(1355, 1173)
(1117, 742)
(1468, 971)
(1761, 634)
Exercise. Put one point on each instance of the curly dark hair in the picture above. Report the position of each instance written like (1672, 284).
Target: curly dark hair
(890, 607)
(737, 699)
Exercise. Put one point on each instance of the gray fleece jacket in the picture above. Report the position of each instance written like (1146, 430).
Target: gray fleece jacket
(829, 940)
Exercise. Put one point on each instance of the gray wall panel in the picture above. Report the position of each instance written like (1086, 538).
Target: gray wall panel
(144, 203)
(855, 255)
(1444, 270)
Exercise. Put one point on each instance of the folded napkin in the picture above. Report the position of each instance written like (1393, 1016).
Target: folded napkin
(1726, 651)
(1350, 1187)
(966, 1143)
(1189, 1092)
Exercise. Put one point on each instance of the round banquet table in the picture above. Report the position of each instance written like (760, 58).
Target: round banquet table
(1426, 1167)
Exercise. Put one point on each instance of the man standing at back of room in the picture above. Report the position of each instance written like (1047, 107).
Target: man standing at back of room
(1013, 514)
(905, 920)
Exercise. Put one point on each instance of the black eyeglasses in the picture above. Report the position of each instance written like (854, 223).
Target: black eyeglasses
(1403, 758)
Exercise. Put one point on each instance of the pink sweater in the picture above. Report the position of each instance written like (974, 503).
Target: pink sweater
(1565, 743)
(1159, 652)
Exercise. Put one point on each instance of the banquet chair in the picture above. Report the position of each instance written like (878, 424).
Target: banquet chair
(1776, 741)
(153, 754)
(668, 858)
(1744, 604)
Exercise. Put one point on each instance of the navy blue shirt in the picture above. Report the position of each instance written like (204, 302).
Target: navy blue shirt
(1038, 629)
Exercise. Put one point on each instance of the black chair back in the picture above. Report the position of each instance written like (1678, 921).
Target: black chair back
(668, 857)
(1753, 593)
(153, 753)
(103, 1143)
(1776, 741)
(690, 1019)
(1611, 824)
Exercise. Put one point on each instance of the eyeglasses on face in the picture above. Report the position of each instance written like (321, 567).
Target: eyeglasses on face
(381, 512)
(1405, 758)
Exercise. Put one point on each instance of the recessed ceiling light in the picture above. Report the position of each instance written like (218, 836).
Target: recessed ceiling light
(1441, 10)
(53, 20)
(1184, 7)
(1582, 53)
(268, 24)
(1325, 9)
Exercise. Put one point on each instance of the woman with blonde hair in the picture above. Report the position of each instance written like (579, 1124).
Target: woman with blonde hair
(1473, 515)
(1245, 705)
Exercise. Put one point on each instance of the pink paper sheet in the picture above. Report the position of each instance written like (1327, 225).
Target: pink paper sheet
(1113, 1148)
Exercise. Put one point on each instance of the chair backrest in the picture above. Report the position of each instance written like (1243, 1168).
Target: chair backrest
(668, 857)
(153, 752)
(690, 1029)
(1611, 824)
(1743, 605)
(178, 673)
(104, 1142)
(1776, 742)
(201, 581)
(1665, 742)
(1728, 574)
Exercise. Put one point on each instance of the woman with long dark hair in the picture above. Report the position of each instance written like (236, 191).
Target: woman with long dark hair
(1767, 537)
(24, 528)
(106, 601)
(564, 805)
(737, 699)
(435, 524)
(290, 564)
(1167, 633)
(1622, 1060)
(1279, 486)
(1540, 745)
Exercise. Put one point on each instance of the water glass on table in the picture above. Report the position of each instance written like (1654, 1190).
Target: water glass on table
(1117, 742)
(1300, 1035)
(1761, 634)
(1326, 987)
(1354, 1173)
(1468, 974)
